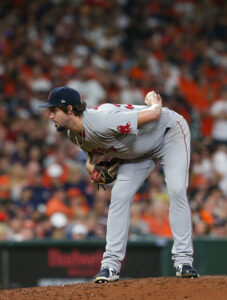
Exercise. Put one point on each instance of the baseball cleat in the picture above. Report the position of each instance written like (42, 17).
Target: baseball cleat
(186, 271)
(106, 275)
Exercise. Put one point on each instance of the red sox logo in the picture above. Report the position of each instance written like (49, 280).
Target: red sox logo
(124, 129)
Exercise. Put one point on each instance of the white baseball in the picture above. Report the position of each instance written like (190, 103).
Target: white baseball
(151, 98)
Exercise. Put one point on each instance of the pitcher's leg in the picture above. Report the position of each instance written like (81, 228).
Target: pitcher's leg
(129, 179)
(175, 161)
(180, 222)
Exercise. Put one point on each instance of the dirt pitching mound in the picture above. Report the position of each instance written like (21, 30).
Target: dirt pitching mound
(206, 287)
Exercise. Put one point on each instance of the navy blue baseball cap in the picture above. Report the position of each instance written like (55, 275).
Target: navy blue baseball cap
(62, 96)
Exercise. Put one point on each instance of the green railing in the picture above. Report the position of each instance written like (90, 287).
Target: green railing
(33, 263)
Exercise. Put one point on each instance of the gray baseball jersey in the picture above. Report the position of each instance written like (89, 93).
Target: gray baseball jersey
(112, 129)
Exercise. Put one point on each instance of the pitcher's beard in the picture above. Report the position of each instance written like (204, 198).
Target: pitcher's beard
(61, 128)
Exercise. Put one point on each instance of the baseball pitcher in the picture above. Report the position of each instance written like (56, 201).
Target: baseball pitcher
(134, 136)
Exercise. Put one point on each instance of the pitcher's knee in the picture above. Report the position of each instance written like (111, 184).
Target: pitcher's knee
(177, 194)
(123, 192)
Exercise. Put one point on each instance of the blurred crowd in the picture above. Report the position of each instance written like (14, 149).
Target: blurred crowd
(110, 51)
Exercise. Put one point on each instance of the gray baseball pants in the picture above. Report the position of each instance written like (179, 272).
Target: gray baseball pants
(174, 155)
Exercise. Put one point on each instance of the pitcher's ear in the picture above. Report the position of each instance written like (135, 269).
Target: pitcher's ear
(69, 109)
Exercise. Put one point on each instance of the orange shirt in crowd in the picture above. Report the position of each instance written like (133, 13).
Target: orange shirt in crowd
(56, 205)
(157, 226)
(207, 217)
(201, 98)
(63, 178)
(4, 186)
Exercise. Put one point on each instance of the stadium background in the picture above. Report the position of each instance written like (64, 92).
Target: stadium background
(114, 51)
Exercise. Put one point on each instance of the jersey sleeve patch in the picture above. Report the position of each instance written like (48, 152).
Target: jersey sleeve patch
(125, 128)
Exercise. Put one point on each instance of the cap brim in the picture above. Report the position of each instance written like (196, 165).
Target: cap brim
(46, 105)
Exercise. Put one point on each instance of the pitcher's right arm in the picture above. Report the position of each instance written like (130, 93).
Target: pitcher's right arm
(153, 112)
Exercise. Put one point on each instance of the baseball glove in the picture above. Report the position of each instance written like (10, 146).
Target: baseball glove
(105, 172)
